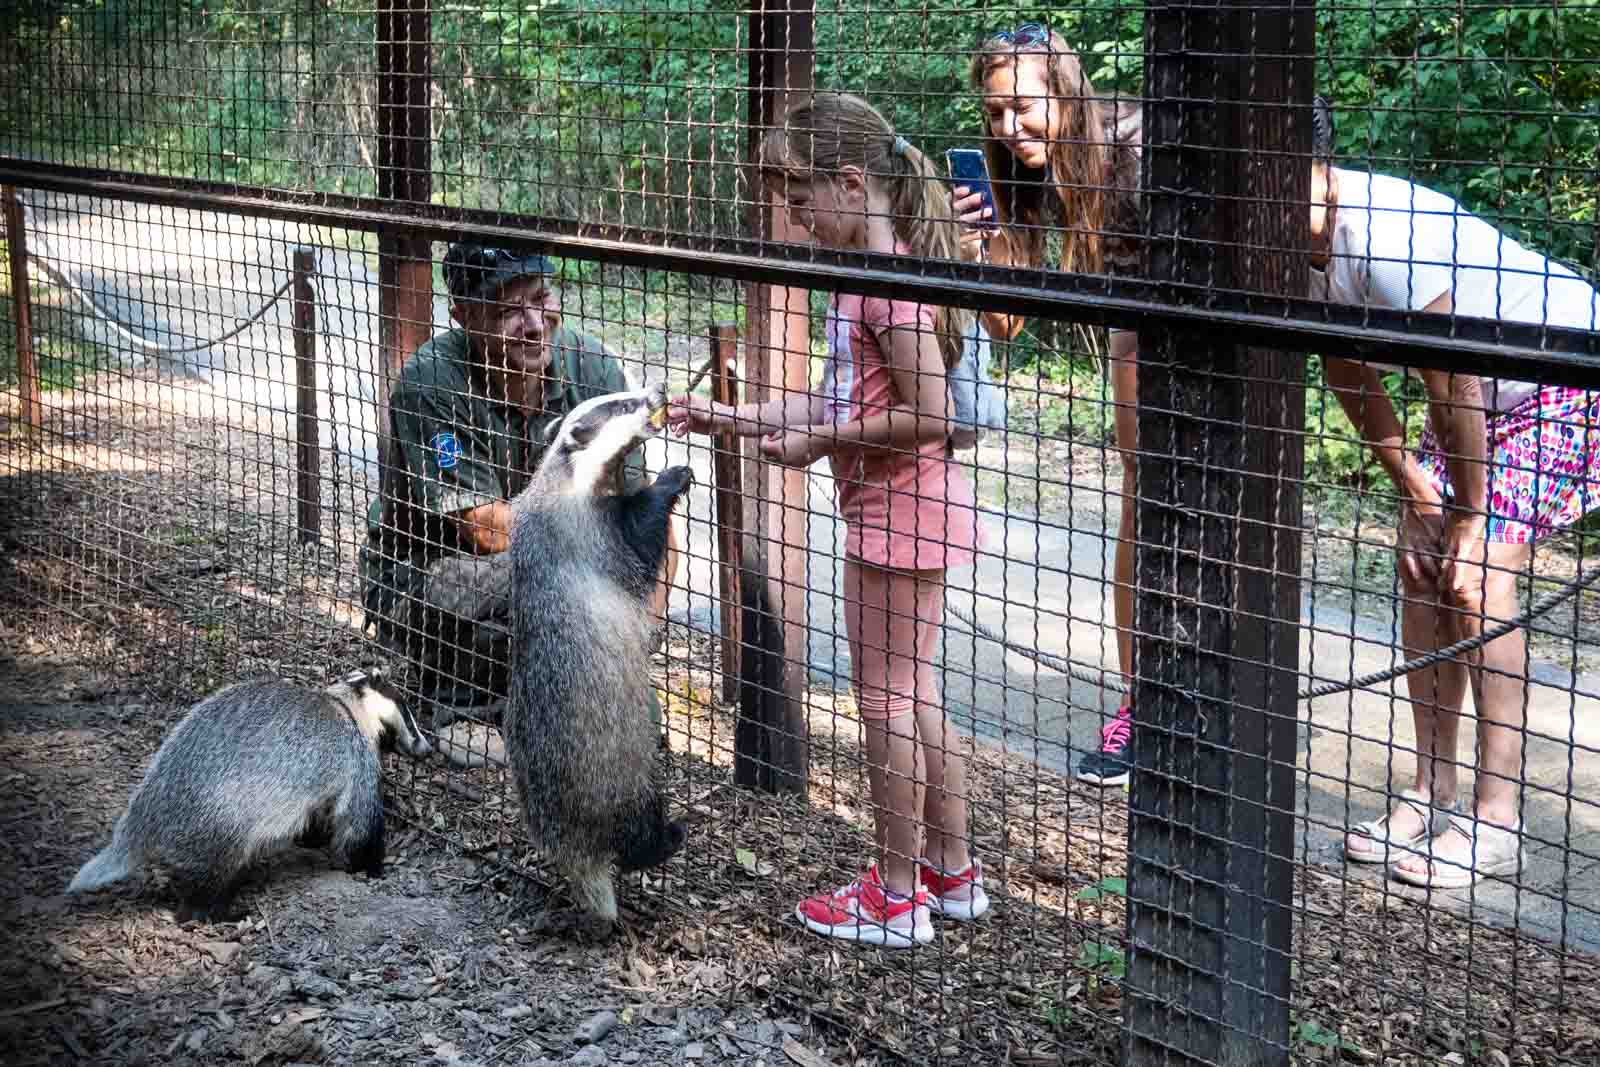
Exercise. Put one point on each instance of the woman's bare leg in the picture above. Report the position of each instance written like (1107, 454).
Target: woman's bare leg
(1110, 764)
(1498, 674)
(1436, 692)
(1125, 394)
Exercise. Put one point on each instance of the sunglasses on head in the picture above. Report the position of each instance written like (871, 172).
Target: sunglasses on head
(1025, 34)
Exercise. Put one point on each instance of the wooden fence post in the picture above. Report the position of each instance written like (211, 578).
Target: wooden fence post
(777, 341)
(22, 311)
(308, 449)
(730, 506)
(1212, 795)
(405, 173)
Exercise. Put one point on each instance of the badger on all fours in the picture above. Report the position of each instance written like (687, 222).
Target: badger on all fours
(249, 770)
(580, 744)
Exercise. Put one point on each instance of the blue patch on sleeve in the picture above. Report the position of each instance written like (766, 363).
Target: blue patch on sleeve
(447, 448)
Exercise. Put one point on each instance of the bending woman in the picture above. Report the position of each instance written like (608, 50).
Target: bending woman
(1500, 465)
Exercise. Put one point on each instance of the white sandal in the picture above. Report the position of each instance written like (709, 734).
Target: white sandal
(1434, 821)
(1491, 850)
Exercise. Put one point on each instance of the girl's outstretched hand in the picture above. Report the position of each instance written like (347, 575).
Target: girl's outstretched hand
(693, 414)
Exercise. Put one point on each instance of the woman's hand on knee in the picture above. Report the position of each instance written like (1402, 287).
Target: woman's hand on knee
(1461, 579)
(1419, 544)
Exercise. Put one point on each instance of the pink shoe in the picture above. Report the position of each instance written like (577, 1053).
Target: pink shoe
(958, 895)
(865, 911)
(1114, 762)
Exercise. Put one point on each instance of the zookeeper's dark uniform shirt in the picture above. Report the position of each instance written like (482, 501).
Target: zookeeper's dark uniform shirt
(452, 448)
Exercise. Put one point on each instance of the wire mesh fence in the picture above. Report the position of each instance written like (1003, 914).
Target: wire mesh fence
(1173, 627)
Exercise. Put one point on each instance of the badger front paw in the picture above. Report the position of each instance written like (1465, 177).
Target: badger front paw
(675, 481)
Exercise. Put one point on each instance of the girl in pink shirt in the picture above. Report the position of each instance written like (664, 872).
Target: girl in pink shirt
(910, 513)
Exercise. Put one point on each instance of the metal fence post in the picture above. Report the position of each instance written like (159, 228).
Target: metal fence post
(1211, 830)
(780, 63)
(307, 445)
(22, 310)
(405, 173)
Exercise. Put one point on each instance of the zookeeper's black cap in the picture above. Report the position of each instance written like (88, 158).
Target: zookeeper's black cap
(474, 271)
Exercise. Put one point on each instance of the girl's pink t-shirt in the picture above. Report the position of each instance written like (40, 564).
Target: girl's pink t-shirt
(902, 510)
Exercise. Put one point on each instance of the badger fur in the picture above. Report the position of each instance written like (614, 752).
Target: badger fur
(247, 771)
(580, 745)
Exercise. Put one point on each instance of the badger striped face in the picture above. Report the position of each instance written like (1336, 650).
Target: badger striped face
(382, 714)
(596, 434)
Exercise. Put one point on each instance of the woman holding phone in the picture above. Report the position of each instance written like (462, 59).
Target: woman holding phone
(1064, 170)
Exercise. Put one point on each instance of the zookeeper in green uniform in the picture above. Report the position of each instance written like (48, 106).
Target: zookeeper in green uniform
(467, 417)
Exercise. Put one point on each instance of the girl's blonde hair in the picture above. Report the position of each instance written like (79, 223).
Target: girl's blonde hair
(830, 131)
(1081, 162)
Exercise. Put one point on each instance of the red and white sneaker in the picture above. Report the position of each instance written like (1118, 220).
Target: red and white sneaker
(957, 895)
(865, 911)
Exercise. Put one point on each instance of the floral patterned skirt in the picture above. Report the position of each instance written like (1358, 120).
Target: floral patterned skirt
(1544, 464)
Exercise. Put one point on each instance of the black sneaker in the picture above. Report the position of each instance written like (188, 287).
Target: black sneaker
(1112, 764)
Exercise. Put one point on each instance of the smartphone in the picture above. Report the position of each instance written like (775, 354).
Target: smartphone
(968, 167)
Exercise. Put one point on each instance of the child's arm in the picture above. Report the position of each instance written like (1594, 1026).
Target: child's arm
(922, 414)
(693, 414)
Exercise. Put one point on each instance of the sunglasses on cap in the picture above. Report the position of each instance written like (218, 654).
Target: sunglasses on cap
(478, 269)
(486, 258)
(1025, 34)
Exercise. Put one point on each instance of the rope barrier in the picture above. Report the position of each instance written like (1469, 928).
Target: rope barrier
(125, 330)
(1107, 679)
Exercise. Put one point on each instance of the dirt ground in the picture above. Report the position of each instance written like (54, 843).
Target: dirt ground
(149, 557)
(439, 961)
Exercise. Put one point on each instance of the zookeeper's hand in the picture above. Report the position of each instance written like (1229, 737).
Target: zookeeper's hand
(666, 575)
(793, 448)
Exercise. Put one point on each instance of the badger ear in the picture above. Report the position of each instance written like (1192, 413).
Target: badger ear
(552, 430)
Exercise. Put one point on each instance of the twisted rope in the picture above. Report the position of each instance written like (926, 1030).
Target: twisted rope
(122, 329)
(1108, 679)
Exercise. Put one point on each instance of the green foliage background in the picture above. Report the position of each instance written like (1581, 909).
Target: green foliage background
(634, 112)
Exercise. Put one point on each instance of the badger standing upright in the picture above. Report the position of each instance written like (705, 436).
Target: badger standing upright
(584, 561)
(247, 771)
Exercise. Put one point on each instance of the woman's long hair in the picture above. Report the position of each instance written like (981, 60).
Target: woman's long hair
(823, 135)
(1081, 163)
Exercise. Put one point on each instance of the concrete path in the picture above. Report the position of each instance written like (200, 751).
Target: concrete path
(187, 275)
(1351, 745)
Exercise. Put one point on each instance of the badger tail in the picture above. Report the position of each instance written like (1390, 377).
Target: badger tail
(109, 866)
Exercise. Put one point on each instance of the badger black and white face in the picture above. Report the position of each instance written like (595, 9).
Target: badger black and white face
(381, 713)
(595, 436)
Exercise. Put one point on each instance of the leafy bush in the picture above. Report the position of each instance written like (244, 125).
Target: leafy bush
(635, 113)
